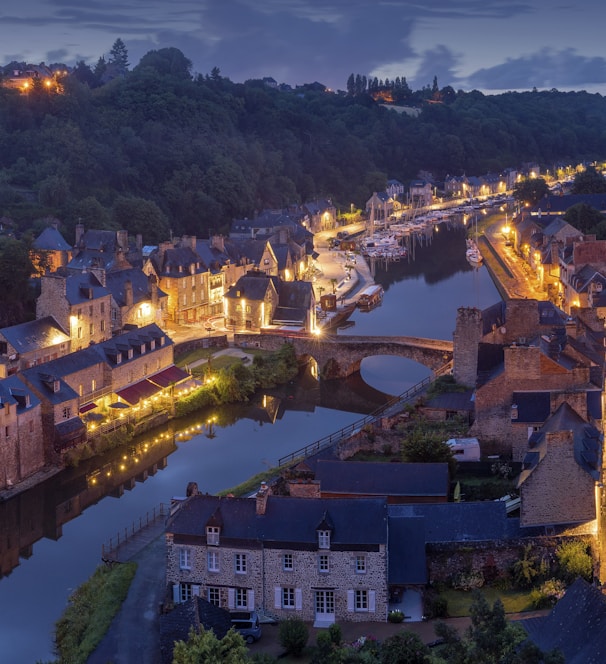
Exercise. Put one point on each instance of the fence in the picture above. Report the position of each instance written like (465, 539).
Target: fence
(156, 516)
(351, 429)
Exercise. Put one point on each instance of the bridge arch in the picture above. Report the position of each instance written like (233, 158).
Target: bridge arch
(340, 356)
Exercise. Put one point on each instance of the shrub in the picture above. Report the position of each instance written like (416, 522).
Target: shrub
(335, 633)
(468, 580)
(436, 607)
(293, 636)
(574, 560)
(395, 616)
(525, 570)
(547, 594)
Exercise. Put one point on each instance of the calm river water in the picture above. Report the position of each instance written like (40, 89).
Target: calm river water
(51, 536)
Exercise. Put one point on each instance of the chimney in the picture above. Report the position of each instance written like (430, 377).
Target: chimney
(139, 241)
(262, 495)
(128, 293)
(122, 240)
(218, 242)
(79, 233)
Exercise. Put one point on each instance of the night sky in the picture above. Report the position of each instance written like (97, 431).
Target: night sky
(488, 45)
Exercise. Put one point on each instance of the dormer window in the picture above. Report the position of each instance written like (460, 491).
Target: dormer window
(130, 353)
(324, 539)
(212, 535)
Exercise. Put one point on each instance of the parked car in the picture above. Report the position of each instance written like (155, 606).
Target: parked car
(247, 624)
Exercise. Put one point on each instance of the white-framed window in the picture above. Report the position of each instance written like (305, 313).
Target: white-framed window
(214, 596)
(240, 563)
(213, 561)
(361, 600)
(360, 564)
(185, 591)
(288, 563)
(323, 563)
(324, 539)
(212, 535)
(185, 558)
(241, 598)
(288, 598)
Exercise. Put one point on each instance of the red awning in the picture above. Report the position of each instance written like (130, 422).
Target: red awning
(169, 376)
(87, 407)
(135, 393)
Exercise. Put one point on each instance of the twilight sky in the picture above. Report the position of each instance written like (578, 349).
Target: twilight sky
(489, 45)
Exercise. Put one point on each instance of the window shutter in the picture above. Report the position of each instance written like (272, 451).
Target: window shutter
(298, 599)
(231, 598)
(195, 590)
(176, 594)
(350, 600)
(277, 597)
(250, 600)
(372, 601)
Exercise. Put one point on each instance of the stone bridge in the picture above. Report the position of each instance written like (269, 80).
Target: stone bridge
(340, 356)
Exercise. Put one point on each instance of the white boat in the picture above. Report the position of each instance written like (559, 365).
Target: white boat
(473, 254)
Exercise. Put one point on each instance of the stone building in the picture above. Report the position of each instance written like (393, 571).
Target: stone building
(80, 304)
(305, 558)
(49, 250)
(21, 438)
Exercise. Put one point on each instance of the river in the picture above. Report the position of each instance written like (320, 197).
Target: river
(51, 535)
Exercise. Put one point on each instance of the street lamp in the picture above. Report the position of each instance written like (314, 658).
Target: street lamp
(209, 329)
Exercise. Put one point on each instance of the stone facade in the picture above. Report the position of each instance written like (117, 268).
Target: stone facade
(468, 333)
(557, 490)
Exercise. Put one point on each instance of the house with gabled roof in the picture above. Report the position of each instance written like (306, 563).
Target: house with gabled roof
(80, 303)
(50, 250)
(136, 299)
(33, 342)
(561, 471)
(105, 250)
(379, 207)
(293, 557)
(183, 276)
(21, 436)
(582, 271)
(322, 215)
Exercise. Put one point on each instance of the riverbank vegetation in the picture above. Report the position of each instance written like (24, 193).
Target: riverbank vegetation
(92, 607)
(237, 383)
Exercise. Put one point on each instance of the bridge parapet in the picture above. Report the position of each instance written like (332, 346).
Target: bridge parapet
(340, 356)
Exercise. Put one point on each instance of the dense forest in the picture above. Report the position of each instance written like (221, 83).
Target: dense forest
(156, 150)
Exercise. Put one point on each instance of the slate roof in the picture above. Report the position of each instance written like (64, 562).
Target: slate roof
(458, 522)
(115, 283)
(407, 564)
(286, 519)
(14, 391)
(383, 479)
(462, 401)
(35, 335)
(576, 625)
(587, 442)
(559, 204)
(533, 407)
(251, 286)
(51, 240)
(174, 626)
(42, 382)
(82, 288)
(172, 259)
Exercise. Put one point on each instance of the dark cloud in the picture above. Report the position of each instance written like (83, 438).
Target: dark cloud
(440, 62)
(547, 68)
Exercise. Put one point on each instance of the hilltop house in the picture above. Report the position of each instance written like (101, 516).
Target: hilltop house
(49, 250)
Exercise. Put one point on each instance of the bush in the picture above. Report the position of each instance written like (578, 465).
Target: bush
(574, 560)
(395, 616)
(293, 636)
(335, 633)
(547, 594)
(436, 607)
(468, 580)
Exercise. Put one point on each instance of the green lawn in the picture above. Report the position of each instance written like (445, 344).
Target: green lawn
(514, 601)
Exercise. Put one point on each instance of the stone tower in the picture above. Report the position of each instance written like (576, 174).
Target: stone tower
(466, 338)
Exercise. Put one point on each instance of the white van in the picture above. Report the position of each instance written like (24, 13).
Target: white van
(465, 449)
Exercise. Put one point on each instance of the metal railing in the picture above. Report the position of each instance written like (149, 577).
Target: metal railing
(109, 549)
(356, 426)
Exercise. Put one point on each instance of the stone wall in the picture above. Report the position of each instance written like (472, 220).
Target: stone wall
(467, 335)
